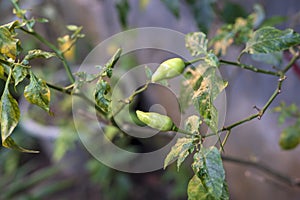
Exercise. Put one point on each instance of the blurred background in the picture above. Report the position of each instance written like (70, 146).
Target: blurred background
(64, 169)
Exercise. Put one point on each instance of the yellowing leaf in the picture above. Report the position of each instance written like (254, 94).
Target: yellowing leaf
(19, 73)
(8, 44)
(237, 33)
(66, 46)
(4, 70)
(10, 113)
(143, 4)
(196, 43)
(207, 85)
(182, 148)
(192, 124)
(196, 190)
(10, 116)
(37, 92)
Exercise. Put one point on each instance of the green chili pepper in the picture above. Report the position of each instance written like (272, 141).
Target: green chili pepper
(155, 120)
(168, 69)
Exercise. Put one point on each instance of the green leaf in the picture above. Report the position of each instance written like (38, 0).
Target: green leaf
(286, 112)
(203, 13)
(148, 72)
(290, 137)
(42, 20)
(8, 43)
(113, 60)
(207, 86)
(185, 95)
(225, 192)
(72, 27)
(208, 167)
(19, 73)
(10, 143)
(102, 95)
(273, 21)
(37, 53)
(274, 59)
(83, 78)
(231, 11)
(196, 43)
(182, 148)
(173, 6)
(37, 92)
(259, 15)
(212, 60)
(192, 124)
(76, 31)
(10, 116)
(123, 8)
(270, 40)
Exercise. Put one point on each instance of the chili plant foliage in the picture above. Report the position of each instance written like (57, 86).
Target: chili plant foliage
(209, 180)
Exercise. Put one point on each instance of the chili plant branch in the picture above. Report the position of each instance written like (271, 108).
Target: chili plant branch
(131, 98)
(261, 112)
(80, 95)
(250, 67)
(294, 182)
(58, 53)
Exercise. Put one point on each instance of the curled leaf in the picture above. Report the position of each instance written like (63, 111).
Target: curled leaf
(102, 95)
(182, 148)
(10, 116)
(37, 53)
(8, 43)
(37, 92)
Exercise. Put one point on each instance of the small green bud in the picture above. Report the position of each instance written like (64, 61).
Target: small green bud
(155, 120)
(168, 69)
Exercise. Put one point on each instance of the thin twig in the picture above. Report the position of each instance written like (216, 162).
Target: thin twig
(294, 182)
(261, 112)
(225, 139)
(80, 95)
(131, 98)
(250, 67)
(193, 61)
(178, 130)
